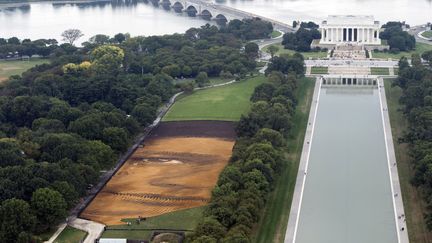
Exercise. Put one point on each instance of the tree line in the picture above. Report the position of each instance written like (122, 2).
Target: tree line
(63, 123)
(257, 160)
(416, 98)
(301, 40)
(397, 38)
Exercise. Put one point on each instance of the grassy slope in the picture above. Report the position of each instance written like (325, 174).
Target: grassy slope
(427, 34)
(414, 206)
(8, 68)
(420, 48)
(70, 235)
(221, 103)
(273, 225)
(275, 34)
(179, 220)
(321, 54)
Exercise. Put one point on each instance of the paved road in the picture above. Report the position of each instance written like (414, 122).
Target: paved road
(415, 31)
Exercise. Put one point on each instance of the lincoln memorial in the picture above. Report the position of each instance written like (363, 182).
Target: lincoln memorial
(340, 29)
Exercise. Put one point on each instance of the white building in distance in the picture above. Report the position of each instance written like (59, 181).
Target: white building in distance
(354, 29)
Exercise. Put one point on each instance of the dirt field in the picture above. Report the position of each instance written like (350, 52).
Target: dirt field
(176, 169)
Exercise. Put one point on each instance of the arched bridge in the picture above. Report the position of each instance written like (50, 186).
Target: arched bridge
(220, 13)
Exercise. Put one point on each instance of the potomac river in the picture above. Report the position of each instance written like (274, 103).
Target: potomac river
(48, 20)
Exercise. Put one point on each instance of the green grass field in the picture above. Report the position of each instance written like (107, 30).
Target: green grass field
(225, 103)
(380, 71)
(273, 225)
(9, 68)
(212, 81)
(70, 235)
(319, 70)
(420, 48)
(413, 203)
(427, 34)
(180, 220)
(320, 54)
(276, 34)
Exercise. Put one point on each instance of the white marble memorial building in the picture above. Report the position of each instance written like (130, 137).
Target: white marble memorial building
(342, 29)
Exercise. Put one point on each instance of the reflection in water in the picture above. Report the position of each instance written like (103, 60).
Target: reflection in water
(48, 20)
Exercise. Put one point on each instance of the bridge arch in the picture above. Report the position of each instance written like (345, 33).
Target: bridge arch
(206, 14)
(191, 11)
(221, 19)
(166, 4)
(178, 7)
(155, 2)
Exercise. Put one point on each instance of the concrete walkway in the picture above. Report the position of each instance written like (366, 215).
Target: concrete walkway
(302, 172)
(402, 230)
(93, 229)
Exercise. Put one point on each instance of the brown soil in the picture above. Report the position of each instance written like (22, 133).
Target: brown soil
(169, 173)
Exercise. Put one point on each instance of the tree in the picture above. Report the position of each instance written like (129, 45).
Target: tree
(144, 113)
(49, 207)
(116, 138)
(107, 59)
(201, 79)
(99, 39)
(211, 228)
(120, 37)
(71, 35)
(251, 49)
(272, 49)
(15, 218)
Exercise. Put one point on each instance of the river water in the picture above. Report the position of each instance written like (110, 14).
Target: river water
(414, 12)
(347, 195)
(47, 20)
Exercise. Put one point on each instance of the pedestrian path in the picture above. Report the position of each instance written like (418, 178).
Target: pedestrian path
(394, 176)
(57, 233)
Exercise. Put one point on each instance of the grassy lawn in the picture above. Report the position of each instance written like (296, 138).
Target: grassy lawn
(413, 203)
(420, 48)
(212, 81)
(180, 220)
(9, 68)
(273, 225)
(275, 34)
(319, 70)
(311, 54)
(225, 103)
(427, 34)
(380, 71)
(70, 235)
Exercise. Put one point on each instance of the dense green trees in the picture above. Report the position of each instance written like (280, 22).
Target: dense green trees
(250, 29)
(415, 82)
(397, 39)
(301, 40)
(15, 218)
(257, 159)
(64, 122)
(13, 47)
